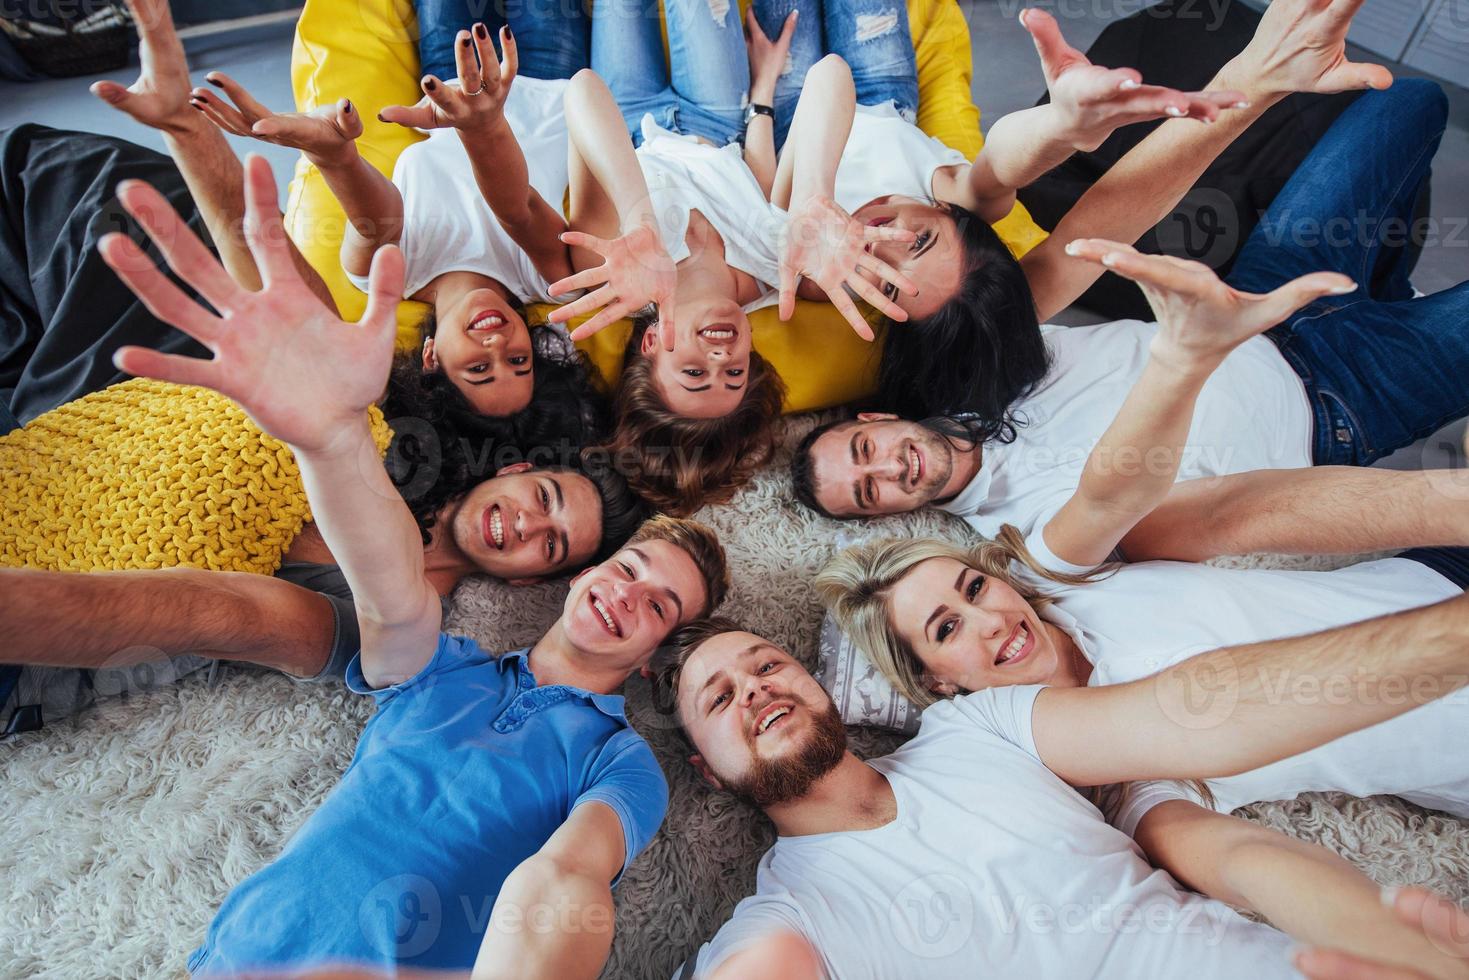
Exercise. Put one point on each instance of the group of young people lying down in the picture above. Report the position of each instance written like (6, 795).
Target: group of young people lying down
(523, 783)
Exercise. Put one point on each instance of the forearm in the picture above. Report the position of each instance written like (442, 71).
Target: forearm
(216, 181)
(368, 529)
(599, 140)
(1018, 150)
(549, 920)
(1315, 510)
(1139, 191)
(1320, 899)
(760, 145)
(819, 131)
(118, 619)
(500, 171)
(373, 205)
(1133, 468)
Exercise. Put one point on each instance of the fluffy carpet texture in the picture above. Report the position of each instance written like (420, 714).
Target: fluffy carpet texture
(122, 833)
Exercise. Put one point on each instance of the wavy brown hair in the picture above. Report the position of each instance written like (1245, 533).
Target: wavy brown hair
(679, 464)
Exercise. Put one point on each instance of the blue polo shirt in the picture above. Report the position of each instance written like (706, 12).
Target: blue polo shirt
(464, 771)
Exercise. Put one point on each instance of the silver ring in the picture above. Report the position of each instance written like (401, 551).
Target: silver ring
(477, 91)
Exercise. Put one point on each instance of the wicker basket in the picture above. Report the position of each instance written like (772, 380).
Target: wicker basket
(94, 37)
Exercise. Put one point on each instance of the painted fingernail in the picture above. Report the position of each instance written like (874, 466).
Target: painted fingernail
(380, 117)
(1128, 85)
(464, 42)
(1389, 895)
(430, 84)
(1072, 248)
(347, 105)
(1110, 259)
(480, 32)
(509, 34)
(213, 81)
(1175, 111)
(1242, 104)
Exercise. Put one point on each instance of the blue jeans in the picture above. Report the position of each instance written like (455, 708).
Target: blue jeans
(1381, 368)
(872, 36)
(702, 86)
(552, 37)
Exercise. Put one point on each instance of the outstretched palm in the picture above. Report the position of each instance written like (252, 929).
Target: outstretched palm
(160, 96)
(301, 373)
(636, 270)
(1094, 101)
(1200, 318)
(825, 244)
(1300, 46)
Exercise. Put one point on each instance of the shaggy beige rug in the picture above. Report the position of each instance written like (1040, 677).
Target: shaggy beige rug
(122, 833)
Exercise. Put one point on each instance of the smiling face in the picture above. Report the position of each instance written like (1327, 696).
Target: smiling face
(764, 728)
(879, 464)
(625, 607)
(528, 524)
(707, 372)
(972, 631)
(934, 260)
(483, 347)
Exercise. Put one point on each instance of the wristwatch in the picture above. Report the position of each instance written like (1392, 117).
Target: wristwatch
(751, 111)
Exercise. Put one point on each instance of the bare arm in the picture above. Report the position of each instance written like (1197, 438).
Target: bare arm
(1434, 917)
(1200, 321)
(573, 871)
(767, 60)
(1239, 708)
(1315, 510)
(475, 108)
(160, 99)
(1303, 889)
(1298, 47)
(117, 619)
(1087, 104)
(308, 379)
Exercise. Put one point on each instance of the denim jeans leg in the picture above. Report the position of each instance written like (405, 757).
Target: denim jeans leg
(874, 38)
(627, 51)
(1347, 206)
(552, 37)
(1382, 375)
(710, 67)
(440, 21)
(807, 48)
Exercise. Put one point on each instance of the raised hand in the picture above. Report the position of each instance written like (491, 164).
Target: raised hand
(767, 57)
(1094, 101)
(1200, 319)
(160, 96)
(326, 135)
(827, 245)
(1300, 46)
(636, 270)
(477, 101)
(301, 373)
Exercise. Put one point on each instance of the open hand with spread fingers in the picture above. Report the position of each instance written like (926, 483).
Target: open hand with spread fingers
(1200, 318)
(767, 57)
(326, 135)
(160, 97)
(476, 102)
(1300, 46)
(1094, 101)
(301, 373)
(825, 244)
(636, 271)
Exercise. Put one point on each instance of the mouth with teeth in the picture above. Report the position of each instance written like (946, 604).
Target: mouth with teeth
(1017, 647)
(772, 715)
(487, 320)
(719, 333)
(915, 466)
(494, 527)
(604, 612)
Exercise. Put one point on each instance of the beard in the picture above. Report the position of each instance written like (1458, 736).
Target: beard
(773, 781)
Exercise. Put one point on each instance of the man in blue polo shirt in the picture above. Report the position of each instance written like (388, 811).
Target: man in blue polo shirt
(492, 801)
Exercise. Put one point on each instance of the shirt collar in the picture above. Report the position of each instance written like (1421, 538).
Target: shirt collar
(611, 705)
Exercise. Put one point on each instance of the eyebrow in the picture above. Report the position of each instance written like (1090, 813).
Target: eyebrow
(718, 675)
(672, 595)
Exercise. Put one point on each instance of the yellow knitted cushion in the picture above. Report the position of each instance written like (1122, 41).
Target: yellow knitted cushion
(147, 474)
(367, 50)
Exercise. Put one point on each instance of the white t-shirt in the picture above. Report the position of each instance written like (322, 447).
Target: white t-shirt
(685, 174)
(1252, 414)
(993, 867)
(447, 224)
(1148, 616)
(886, 154)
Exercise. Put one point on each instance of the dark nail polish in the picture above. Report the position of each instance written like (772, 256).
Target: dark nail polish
(480, 32)
(347, 106)
(213, 81)
(380, 117)
(465, 42)
(430, 84)
(509, 33)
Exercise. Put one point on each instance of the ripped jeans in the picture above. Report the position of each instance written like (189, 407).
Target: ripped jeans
(872, 36)
(703, 85)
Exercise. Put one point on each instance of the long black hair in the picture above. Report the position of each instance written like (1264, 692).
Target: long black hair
(442, 448)
(977, 354)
